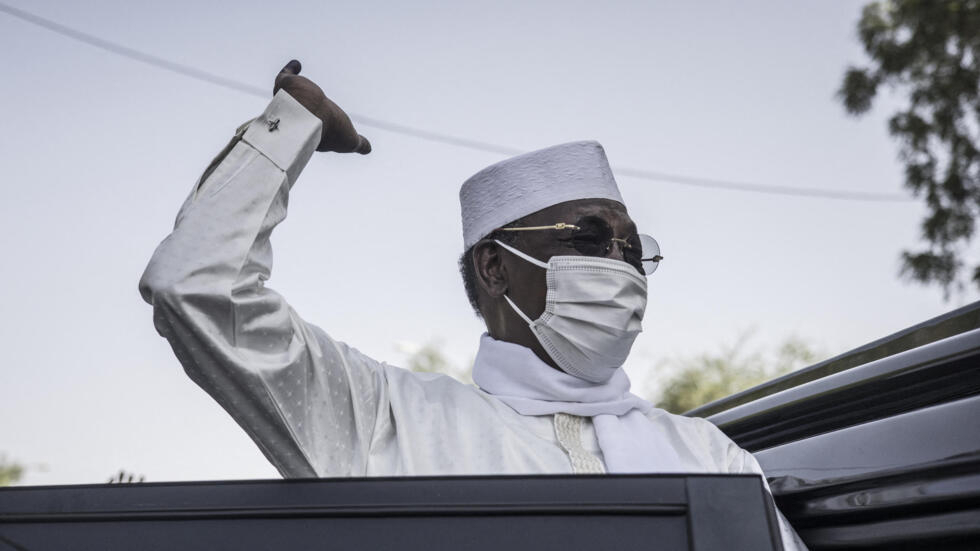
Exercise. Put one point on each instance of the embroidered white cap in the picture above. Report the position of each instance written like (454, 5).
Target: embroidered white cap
(521, 185)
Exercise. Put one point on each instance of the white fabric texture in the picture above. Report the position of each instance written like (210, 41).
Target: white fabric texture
(313, 405)
(629, 441)
(521, 185)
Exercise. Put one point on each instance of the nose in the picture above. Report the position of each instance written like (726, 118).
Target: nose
(617, 249)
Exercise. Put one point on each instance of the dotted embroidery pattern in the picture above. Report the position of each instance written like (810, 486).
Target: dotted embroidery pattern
(568, 429)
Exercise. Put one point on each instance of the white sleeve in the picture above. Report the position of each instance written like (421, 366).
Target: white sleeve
(742, 461)
(308, 402)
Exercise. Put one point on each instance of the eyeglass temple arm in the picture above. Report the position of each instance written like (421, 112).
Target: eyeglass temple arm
(558, 226)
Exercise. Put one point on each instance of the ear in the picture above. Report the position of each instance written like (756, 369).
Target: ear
(491, 275)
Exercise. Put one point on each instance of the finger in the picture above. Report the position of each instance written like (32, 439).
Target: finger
(290, 69)
(364, 147)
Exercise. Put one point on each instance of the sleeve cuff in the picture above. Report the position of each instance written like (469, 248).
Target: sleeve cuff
(286, 133)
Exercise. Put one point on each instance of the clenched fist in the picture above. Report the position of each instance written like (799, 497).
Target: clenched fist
(338, 131)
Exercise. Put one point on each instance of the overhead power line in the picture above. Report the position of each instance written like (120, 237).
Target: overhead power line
(439, 137)
(759, 188)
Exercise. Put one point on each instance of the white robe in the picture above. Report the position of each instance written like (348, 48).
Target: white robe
(315, 406)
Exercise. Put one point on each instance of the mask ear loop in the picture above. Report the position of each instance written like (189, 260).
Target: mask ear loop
(518, 310)
(525, 256)
(530, 259)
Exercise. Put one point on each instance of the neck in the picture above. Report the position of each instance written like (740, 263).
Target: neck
(503, 324)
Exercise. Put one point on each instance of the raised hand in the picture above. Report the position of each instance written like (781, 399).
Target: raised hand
(338, 131)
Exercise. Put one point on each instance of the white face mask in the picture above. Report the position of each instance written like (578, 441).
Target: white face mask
(593, 313)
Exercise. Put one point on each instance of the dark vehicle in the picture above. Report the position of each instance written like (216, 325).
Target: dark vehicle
(878, 448)
(698, 512)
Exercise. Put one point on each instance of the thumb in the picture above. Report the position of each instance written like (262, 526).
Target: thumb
(291, 69)
(364, 147)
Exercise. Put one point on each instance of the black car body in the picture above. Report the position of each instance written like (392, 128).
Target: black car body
(878, 447)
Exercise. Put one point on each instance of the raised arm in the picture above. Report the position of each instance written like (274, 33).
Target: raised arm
(310, 403)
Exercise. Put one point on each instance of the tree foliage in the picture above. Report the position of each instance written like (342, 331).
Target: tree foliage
(126, 477)
(696, 381)
(429, 358)
(10, 471)
(930, 50)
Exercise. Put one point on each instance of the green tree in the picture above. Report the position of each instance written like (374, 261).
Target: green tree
(692, 382)
(10, 471)
(930, 51)
(429, 358)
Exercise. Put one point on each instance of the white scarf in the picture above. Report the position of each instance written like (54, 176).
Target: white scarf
(629, 440)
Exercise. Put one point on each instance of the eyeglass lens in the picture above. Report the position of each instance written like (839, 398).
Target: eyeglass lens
(595, 238)
(649, 254)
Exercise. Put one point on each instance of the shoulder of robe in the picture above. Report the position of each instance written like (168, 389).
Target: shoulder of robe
(698, 432)
(698, 424)
(430, 383)
(448, 392)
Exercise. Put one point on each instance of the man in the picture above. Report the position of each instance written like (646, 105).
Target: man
(553, 263)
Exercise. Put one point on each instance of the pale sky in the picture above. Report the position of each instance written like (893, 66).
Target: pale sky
(99, 151)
